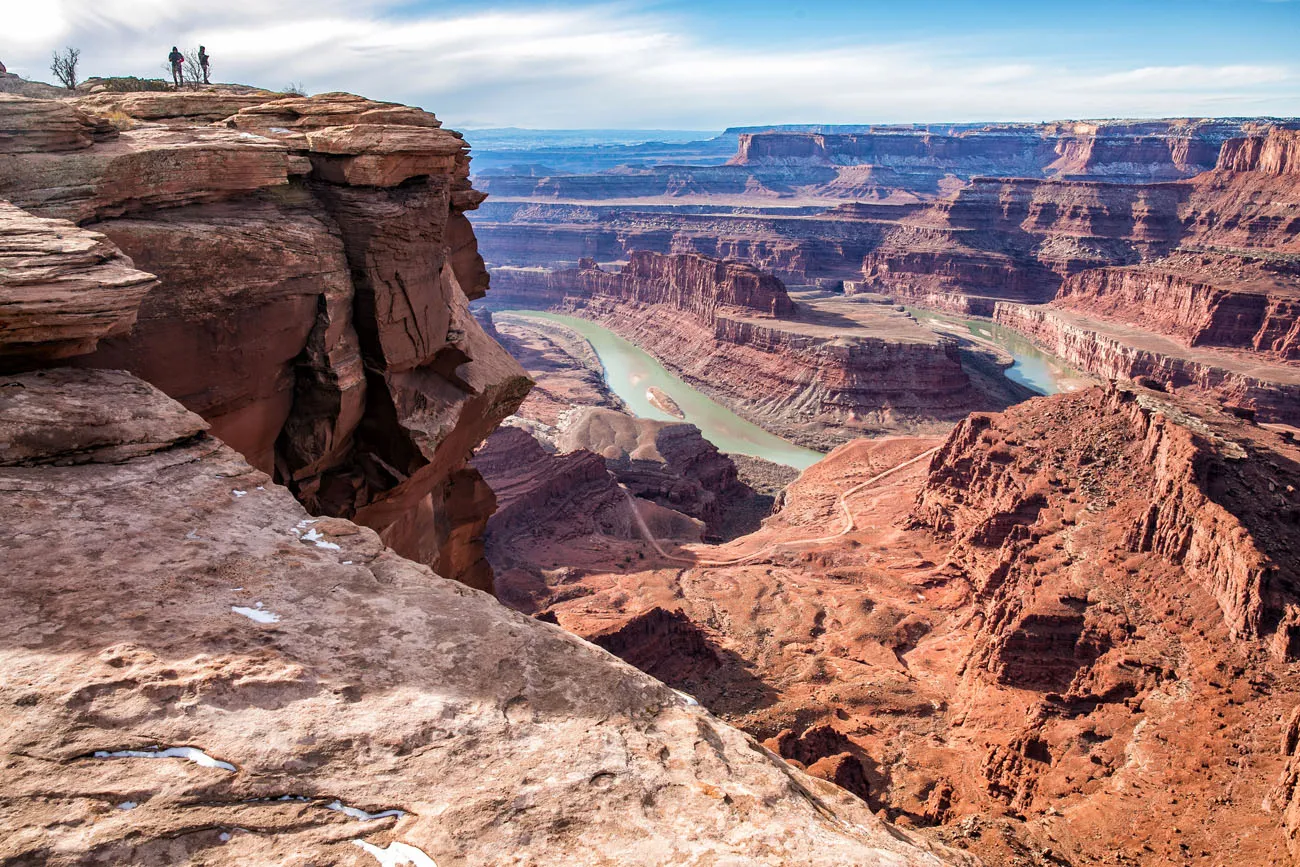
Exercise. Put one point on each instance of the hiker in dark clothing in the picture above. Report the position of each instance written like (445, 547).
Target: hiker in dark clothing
(176, 59)
(204, 59)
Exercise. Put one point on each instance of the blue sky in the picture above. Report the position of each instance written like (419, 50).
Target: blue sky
(707, 64)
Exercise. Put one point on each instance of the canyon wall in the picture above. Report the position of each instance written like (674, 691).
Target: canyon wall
(313, 270)
(198, 670)
(1200, 507)
(1124, 151)
(1272, 393)
(1274, 153)
(667, 463)
(794, 244)
(1037, 638)
(973, 242)
(1199, 300)
(1018, 239)
(884, 163)
(694, 284)
(732, 332)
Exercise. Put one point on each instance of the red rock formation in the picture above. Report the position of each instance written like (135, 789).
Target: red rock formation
(31, 126)
(1190, 508)
(663, 643)
(176, 108)
(312, 297)
(694, 284)
(667, 463)
(1122, 352)
(825, 753)
(1065, 627)
(573, 494)
(559, 502)
(62, 289)
(1275, 153)
(1286, 797)
(1134, 152)
(1017, 239)
(1200, 300)
(1252, 200)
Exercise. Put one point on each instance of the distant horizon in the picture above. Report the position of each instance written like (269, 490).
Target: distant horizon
(721, 130)
(705, 64)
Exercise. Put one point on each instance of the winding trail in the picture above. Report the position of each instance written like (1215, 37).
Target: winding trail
(850, 523)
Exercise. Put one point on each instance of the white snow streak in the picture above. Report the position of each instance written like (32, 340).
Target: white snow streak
(358, 813)
(397, 854)
(192, 754)
(257, 614)
(315, 536)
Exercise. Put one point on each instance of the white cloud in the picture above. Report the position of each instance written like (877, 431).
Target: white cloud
(613, 66)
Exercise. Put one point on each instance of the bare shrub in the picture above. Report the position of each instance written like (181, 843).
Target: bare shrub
(121, 121)
(64, 66)
(192, 70)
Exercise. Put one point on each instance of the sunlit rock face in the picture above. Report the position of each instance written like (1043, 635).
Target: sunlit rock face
(309, 269)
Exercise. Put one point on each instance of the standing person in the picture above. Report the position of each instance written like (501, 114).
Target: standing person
(176, 59)
(203, 63)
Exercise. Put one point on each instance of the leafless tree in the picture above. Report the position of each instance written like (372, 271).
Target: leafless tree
(294, 88)
(64, 66)
(192, 70)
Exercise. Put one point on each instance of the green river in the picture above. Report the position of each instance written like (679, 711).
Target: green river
(1033, 368)
(630, 371)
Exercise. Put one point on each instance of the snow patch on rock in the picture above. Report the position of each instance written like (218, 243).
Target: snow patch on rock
(192, 754)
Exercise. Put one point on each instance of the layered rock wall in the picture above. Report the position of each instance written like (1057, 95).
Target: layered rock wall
(1188, 301)
(1190, 507)
(665, 462)
(1223, 379)
(1274, 153)
(1019, 239)
(1134, 152)
(313, 274)
(695, 284)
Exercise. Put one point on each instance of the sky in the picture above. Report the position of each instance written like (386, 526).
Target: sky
(707, 64)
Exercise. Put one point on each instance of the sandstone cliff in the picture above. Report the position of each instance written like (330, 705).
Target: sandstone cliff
(571, 409)
(1276, 153)
(313, 270)
(198, 669)
(1202, 505)
(1198, 299)
(1127, 151)
(667, 463)
(1144, 271)
(1016, 239)
(1119, 351)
